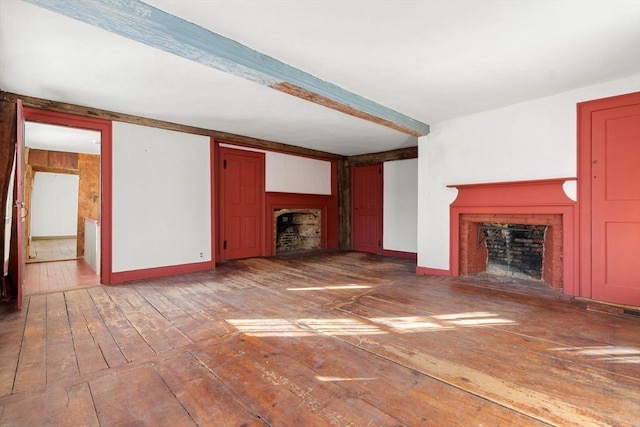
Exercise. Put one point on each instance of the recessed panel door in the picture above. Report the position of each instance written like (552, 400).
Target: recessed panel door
(366, 226)
(615, 205)
(241, 203)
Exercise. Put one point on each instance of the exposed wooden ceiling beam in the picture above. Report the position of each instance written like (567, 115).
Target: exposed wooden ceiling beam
(143, 23)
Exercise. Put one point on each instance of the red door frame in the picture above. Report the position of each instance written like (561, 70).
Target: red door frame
(18, 202)
(381, 207)
(585, 111)
(104, 127)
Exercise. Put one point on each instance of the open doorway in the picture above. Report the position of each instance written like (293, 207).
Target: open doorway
(52, 226)
(62, 206)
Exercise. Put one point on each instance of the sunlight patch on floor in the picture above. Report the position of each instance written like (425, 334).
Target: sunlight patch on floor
(270, 328)
(370, 326)
(479, 318)
(304, 327)
(333, 379)
(606, 353)
(412, 324)
(335, 287)
(337, 327)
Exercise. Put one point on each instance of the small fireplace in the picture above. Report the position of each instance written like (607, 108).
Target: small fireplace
(297, 230)
(519, 229)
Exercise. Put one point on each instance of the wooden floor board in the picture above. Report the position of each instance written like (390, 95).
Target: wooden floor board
(207, 399)
(131, 344)
(346, 339)
(137, 397)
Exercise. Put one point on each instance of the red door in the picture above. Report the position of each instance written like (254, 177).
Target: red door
(615, 204)
(241, 203)
(366, 203)
(19, 202)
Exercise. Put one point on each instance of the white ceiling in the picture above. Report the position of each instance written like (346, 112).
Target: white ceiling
(431, 60)
(61, 138)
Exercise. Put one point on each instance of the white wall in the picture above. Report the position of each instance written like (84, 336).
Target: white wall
(286, 173)
(54, 205)
(161, 198)
(400, 205)
(530, 140)
(294, 174)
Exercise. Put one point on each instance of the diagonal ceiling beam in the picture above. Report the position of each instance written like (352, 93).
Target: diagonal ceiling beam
(143, 23)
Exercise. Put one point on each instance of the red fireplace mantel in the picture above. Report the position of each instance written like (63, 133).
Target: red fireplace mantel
(522, 198)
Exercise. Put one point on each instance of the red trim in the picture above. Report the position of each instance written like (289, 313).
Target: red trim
(275, 150)
(18, 203)
(426, 271)
(328, 205)
(214, 200)
(216, 236)
(585, 110)
(172, 270)
(106, 170)
(518, 198)
(400, 254)
(334, 178)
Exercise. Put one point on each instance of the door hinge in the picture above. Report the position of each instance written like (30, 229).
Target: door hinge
(379, 171)
(224, 245)
(224, 164)
(379, 243)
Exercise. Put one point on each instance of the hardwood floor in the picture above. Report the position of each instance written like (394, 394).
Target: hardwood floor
(344, 339)
(52, 250)
(43, 277)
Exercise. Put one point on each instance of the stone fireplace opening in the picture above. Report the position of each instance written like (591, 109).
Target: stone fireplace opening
(297, 230)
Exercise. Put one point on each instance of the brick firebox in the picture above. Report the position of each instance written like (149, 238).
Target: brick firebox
(540, 202)
(473, 256)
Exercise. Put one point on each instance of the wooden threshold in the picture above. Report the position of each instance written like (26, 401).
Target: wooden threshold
(320, 339)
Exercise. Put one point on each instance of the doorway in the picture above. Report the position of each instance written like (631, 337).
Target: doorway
(61, 193)
(60, 148)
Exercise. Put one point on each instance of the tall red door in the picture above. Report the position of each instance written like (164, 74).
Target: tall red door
(241, 203)
(366, 205)
(615, 203)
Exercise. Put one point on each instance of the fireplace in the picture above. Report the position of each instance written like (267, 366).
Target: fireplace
(526, 246)
(519, 229)
(297, 230)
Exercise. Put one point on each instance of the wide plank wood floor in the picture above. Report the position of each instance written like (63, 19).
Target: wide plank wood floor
(46, 277)
(42, 250)
(342, 339)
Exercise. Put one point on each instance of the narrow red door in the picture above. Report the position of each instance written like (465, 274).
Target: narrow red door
(366, 204)
(615, 204)
(241, 203)
(19, 202)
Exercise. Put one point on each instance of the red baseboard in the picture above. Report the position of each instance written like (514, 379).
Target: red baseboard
(426, 271)
(400, 254)
(148, 273)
